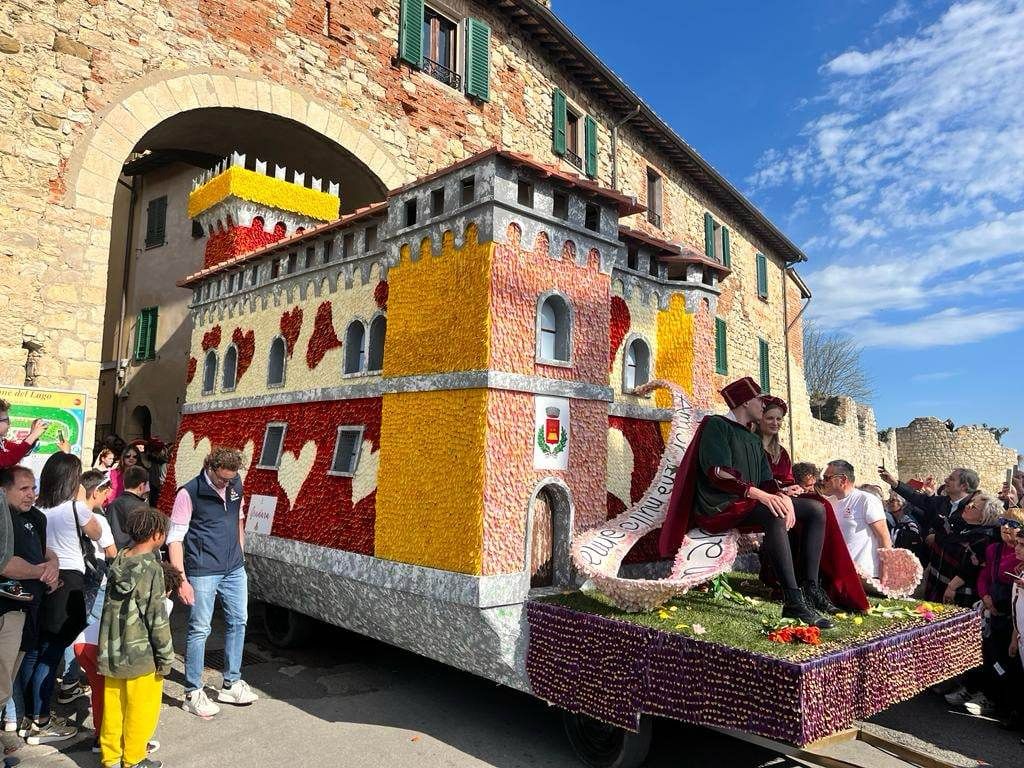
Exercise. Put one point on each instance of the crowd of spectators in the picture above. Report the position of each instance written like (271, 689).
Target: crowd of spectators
(87, 612)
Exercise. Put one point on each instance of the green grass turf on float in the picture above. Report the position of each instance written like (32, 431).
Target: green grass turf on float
(739, 624)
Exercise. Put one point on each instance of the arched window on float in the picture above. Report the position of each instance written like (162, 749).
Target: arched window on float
(230, 370)
(355, 347)
(554, 329)
(276, 363)
(636, 365)
(375, 356)
(209, 372)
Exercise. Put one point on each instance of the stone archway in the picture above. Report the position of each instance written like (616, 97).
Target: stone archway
(95, 166)
(549, 535)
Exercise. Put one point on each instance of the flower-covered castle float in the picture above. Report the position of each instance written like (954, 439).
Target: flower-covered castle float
(437, 394)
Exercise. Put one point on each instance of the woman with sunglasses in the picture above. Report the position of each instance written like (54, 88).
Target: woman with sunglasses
(130, 457)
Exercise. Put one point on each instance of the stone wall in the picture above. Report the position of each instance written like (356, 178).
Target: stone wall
(850, 433)
(927, 447)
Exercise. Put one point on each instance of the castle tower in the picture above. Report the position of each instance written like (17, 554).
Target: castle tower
(242, 209)
(498, 318)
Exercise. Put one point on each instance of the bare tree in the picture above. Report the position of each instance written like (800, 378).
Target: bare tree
(832, 367)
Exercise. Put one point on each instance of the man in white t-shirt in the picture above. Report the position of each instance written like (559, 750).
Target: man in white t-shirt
(861, 518)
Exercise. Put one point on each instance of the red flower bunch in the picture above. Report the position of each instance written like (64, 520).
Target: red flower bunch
(795, 634)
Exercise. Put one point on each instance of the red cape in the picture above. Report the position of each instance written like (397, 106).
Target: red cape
(838, 576)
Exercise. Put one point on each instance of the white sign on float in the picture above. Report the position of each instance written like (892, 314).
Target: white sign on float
(259, 515)
(551, 433)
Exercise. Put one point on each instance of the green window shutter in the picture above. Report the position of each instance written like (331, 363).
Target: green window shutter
(709, 236)
(766, 379)
(145, 334)
(558, 122)
(721, 352)
(410, 34)
(590, 134)
(762, 276)
(726, 256)
(478, 59)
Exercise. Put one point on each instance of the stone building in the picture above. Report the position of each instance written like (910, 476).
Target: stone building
(87, 86)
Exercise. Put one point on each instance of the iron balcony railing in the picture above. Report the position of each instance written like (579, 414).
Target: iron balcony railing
(441, 72)
(655, 218)
(573, 158)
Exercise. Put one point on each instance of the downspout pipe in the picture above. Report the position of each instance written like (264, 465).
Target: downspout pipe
(615, 145)
(785, 345)
(125, 283)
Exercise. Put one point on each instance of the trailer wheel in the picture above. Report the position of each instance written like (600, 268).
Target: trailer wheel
(600, 745)
(286, 628)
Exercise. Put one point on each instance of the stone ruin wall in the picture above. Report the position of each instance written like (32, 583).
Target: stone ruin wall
(928, 447)
(848, 431)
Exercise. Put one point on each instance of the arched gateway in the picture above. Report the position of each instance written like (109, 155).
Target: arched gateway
(167, 98)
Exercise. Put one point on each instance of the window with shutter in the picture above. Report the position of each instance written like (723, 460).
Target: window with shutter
(478, 59)
(709, 236)
(590, 138)
(762, 276)
(145, 334)
(721, 352)
(156, 222)
(346, 451)
(726, 256)
(762, 350)
(558, 115)
(410, 39)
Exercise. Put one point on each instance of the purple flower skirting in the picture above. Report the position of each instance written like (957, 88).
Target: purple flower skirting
(616, 671)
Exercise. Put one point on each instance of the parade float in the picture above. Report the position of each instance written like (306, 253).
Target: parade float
(455, 444)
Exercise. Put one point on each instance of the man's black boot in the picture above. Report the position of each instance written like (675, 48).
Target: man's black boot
(795, 607)
(818, 599)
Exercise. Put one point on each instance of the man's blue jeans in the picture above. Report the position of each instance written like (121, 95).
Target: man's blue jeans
(233, 589)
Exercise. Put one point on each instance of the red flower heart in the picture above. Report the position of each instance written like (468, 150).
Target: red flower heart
(380, 294)
(291, 323)
(211, 339)
(246, 345)
(619, 327)
(324, 337)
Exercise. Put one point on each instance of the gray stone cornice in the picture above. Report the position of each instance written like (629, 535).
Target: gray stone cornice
(515, 382)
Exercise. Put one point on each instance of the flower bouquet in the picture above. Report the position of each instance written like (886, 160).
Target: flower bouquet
(902, 573)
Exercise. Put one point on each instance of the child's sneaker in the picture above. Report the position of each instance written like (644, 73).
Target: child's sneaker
(11, 589)
(198, 703)
(50, 732)
(146, 763)
(238, 693)
(65, 695)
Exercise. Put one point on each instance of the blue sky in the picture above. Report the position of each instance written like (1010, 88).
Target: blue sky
(887, 140)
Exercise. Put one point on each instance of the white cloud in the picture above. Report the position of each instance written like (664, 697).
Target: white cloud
(899, 12)
(949, 327)
(936, 376)
(911, 166)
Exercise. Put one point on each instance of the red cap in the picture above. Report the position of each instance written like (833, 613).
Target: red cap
(741, 391)
(771, 401)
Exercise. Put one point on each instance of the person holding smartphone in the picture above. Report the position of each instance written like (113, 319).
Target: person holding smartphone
(11, 452)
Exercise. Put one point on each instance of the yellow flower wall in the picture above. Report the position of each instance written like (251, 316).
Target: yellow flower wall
(267, 190)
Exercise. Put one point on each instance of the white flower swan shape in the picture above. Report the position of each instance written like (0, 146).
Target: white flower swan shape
(598, 553)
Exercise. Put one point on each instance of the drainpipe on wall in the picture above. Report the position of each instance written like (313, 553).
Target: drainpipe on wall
(615, 144)
(119, 343)
(785, 345)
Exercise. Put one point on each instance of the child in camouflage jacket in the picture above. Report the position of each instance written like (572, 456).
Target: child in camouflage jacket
(135, 648)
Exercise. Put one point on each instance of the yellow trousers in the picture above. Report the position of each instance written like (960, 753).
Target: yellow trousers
(131, 711)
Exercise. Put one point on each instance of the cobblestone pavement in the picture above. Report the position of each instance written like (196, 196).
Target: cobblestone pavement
(346, 701)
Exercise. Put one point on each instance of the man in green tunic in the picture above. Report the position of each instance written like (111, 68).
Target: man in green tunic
(726, 483)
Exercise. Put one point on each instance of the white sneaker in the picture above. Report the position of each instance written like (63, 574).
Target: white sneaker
(958, 697)
(239, 693)
(10, 727)
(980, 705)
(198, 703)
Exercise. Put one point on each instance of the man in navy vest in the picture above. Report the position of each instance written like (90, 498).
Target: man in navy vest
(205, 544)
